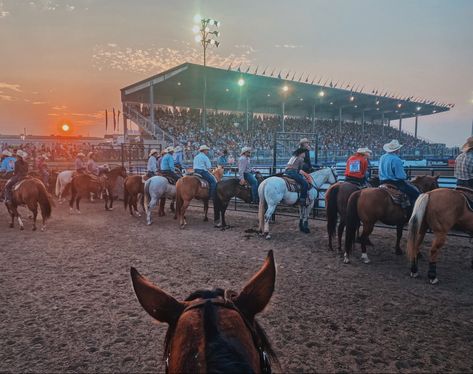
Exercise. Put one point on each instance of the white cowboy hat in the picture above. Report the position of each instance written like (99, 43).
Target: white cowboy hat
(21, 153)
(364, 150)
(80, 154)
(203, 148)
(245, 149)
(169, 149)
(90, 154)
(178, 149)
(46, 158)
(6, 152)
(392, 146)
(153, 151)
(468, 145)
(304, 140)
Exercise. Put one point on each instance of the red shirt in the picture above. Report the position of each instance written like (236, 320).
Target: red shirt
(357, 165)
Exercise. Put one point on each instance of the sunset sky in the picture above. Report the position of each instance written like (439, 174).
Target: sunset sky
(67, 59)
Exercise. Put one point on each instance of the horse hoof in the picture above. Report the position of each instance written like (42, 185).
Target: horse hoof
(206, 219)
(149, 223)
(71, 211)
(267, 236)
(217, 224)
(365, 260)
(11, 225)
(43, 229)
(399, 252)
(22, 228)
(34, 228)
(414, 275)
(434, 281)
(346, 260)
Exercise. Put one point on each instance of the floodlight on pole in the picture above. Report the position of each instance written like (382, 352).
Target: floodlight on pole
(321, 93)
(241, 82)
(285, 88)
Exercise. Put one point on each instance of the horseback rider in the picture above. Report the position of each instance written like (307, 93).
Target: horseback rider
(178, 158)
(167, 164)
(305, 144)
(159, 158)
(80, 164)
(20, 172)
(43, 169)
(356, 170)
(7, 164)
(92, 167)
(294, 171)
(464, 165)
(246, 174)
(391, 171)
(202, 166)
(152, 167)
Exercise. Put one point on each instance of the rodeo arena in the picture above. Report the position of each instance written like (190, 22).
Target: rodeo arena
(346, 239)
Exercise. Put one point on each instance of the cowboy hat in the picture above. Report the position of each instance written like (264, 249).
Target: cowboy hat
(80, 154)
(468, 145)
(392, 146)
(22, 154)
(90, 154)
(44, 157)
(169, 149)
(6, 152)
(203, 148)
(178, 149)
(245, 149)
(364, 150)
(304, 140)
(152, 152)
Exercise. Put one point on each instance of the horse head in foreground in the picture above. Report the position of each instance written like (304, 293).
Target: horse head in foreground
(213, 331)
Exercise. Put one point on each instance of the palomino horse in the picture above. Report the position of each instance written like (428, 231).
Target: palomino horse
(375, 204)
(336, 201)
(83, 185)
(273, 191)
(63, 179)
(30, 192)
(213, 331)
(133, 187)
(190, 187)
(156, 189)
(440, 210)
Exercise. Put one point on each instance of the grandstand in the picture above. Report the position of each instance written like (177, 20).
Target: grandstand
(249, 109)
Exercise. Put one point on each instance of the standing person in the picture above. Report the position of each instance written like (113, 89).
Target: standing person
(202, 166)
(43, 169)
(7, 164)
(152, 166)
(178, 158)
(20, 172)
(391, 170)
(464, 165)
(356, 170)
(294, 171)
(80, 164)
(222, 160)
(245, 173)
(305, 145)
(92, 167)
(167, 164)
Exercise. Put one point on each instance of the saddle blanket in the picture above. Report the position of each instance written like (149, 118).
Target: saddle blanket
(468, 193)
(398, 197)
(292, 185)
(203, 182)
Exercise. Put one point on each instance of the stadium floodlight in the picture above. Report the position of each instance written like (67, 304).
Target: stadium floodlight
(178, 83)
(268, 95)
(418, 108)
(356, 106)
(227, 89)
(321, 93)
(377, 102)
(331, 103)
(399, 105)
(241, 82)
(301, 99)
(285, 88)
(352, 98)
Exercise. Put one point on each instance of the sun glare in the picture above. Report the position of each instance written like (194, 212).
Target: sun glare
(65, 127)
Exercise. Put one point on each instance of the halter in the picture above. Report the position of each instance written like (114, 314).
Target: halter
(334, 174)
(229, 304)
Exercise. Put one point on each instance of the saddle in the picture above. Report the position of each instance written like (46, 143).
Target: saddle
(292, 185)
(170, 179)
(398, 197)
(203, 182)
(468, 194)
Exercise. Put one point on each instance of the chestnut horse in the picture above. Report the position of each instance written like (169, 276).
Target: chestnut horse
(133, 186)
(336, 201)
(439, 210)
(189, 187)
(30, 192)
(375, 204)
(82, 185)
(213, 331)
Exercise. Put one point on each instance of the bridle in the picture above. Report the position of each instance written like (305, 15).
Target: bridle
(228, 303)
(334, 174)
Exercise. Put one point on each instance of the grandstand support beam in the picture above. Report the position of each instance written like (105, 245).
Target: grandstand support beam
(283, 115)
(125, 123)
(382, 121)
(415, 129)
(363, 122)
(247, 114)
(313, 118)
(151, 104)
(400, 125)
(340, 119)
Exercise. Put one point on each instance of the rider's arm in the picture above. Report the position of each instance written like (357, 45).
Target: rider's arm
(399, 169)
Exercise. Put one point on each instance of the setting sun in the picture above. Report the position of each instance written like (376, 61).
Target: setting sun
(65, 127)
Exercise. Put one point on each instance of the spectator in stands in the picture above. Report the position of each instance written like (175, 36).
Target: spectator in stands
(245, 173)
(305, 144)
(43, 169)
(464, 165)
(356, 170)
(152, 166)
(7, 164)
(80, 163)
(167, 164)
(202, 166)
(223, 159)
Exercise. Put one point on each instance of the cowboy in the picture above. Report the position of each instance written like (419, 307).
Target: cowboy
(167, 164)
(356, 170)
(305, 144)
(20, 172)
(464, 165)
(80, 163)
(8, 162)
(43, 169)
(294, 171)
(245, 173)
(391, 170)
(202, 166)
(222, 160)
(92, 167)
(178, 158)
(159, 158)
(152, 167)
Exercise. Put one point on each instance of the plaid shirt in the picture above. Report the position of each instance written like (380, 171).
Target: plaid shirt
(464, 166)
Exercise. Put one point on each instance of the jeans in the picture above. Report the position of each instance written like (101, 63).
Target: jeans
(209, 178)
(409, 189)
(251, 179)
(294, 174)
(465, 183)
(8, 187)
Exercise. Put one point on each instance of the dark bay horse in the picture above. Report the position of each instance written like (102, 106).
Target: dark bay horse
(375, 204)
(30, 192)
(133, 186)
(213, 331)
(82, 185)
(439, 210)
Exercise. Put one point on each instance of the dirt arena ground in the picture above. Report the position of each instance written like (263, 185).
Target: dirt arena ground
(67, 305)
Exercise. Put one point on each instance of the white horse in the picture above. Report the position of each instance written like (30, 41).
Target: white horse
(273, 191)
(156, 188)
(63, 179)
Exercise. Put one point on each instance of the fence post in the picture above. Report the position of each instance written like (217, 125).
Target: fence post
(122, 154)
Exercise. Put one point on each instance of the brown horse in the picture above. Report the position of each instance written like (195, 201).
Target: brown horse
(30, 192)
(189, 187)
(83, 185)
(375, 204)
(439, 210)
(336, 201)
(111, 180)
(213, 331)
(133, 186)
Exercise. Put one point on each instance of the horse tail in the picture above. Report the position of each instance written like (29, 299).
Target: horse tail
(147, 195)
(352, 221)
(58, 186)
(45, 201)
(331, 209)
(415, 224)
(261, 206)
(125, 194)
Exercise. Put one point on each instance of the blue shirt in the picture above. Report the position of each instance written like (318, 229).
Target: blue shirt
(391, 167)
(178, 158)
(222, 160)
(8, 164)
(152, 164)
(202, 162)
(167, 162)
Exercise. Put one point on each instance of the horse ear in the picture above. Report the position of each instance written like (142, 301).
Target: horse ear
(437, 177)
(155, 301)
(258, 291)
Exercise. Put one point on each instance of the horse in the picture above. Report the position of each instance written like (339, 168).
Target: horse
(82, 185)
(30, 192)
(439, 210)
(273, 191)
(336, 201)
(111, 181)
(375, 204)
(156, 189)
(51, 179)
(213, 331)
(133, 186)
(64, 178)
(190, 187)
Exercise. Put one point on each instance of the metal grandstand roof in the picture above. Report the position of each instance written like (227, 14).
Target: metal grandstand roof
(182, 86)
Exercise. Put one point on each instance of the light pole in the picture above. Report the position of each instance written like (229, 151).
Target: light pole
(206, 30)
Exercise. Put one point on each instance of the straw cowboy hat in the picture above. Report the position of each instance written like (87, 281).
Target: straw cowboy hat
(304, 140)
(169, 149)
(392, 146)
(6, 152)
(44, 157)
(90, 154)
(21, 153)
(468, 145)
(80, 154)
(153, 151)
(364, 150)
(203, 148)
(245, 149)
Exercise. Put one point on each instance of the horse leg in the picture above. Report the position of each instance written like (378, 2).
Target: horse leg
(417, 244)
(439, 241)
(206, 209)
(267, 217)
(135, 205)
(34, 209)
(304, 216)
(182, 212)
(20, 221)
(172, 205)
(162, 204)
(111, 201)
(399, 229)
(71, 202)
(341, 228)
(12, 214)
(77, 203)
(367, 230)
(222, 212)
